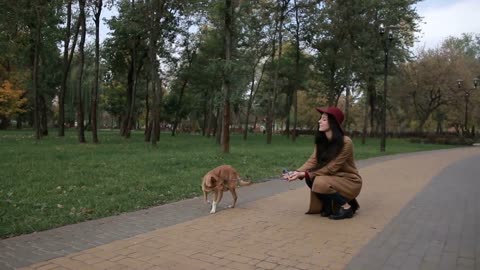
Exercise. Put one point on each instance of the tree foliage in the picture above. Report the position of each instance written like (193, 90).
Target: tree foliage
(167, 64)
(12, 101)
(426, 89)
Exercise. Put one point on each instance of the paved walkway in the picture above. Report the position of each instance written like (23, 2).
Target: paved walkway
(394, 229)
(438, 229)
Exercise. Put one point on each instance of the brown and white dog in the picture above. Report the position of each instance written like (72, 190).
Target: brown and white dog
(221, 179)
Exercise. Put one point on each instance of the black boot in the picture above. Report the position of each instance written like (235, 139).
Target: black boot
(327, 204)
(343, 213)
(326, 209)
(354, 204)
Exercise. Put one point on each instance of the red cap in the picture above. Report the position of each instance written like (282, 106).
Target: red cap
(335, 112)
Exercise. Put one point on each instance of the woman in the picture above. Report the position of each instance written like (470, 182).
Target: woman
(330, 172)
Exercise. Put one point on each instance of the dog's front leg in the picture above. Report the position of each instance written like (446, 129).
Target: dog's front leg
(214, 203)
(205, 197)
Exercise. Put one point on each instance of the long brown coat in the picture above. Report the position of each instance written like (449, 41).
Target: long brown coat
(339, 175)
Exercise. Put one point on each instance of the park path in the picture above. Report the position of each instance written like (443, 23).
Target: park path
(268, 229)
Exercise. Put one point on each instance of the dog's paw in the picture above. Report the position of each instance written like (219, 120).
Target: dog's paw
(231, 206)
(212, 211)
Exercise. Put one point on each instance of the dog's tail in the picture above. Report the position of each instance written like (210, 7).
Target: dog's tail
(244, 183)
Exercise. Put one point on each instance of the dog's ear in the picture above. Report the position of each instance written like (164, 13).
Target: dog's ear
(210, 181)
(213, 180)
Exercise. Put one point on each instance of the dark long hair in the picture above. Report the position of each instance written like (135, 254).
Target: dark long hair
(327, 150)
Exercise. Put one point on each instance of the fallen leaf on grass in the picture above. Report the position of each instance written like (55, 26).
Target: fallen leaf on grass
(87, 210)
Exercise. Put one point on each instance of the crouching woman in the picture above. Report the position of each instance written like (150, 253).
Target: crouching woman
(330, 172)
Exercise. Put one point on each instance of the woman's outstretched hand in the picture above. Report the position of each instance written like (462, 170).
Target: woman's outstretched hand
(292, 176)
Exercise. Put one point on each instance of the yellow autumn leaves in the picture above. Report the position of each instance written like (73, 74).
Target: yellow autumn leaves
(12, 101)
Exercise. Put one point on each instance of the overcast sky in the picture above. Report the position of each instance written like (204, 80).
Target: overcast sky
(441, 19)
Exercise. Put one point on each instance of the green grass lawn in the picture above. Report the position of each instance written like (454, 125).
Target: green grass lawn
(58, 181)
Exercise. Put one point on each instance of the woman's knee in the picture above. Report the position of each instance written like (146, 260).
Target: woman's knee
(322, 186)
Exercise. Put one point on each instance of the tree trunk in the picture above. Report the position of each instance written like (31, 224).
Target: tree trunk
(155, 16)
(288, 106)
(180, 100)
(94, 96)
(210, 120)
(253, 93)
(217, 132)
(207, 111)
(347, 109)
(153, 131)
(43, 116)
(80, 110)
(279, 29)
(156, 118)
(147, 111)
(130, 94)
(19, 122)
(269, 113)
(131, 83)
(365, 120)
(332, 86)
(297, 71)
(226, 76)
(131, 110)
(148, 131)
(36, 56)
(67, 61)
(372, 100)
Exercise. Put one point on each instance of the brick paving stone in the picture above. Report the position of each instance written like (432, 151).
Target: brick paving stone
(45, 267)
(241, 266)
(266, 265)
